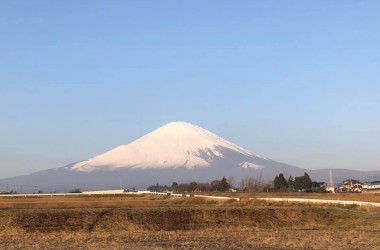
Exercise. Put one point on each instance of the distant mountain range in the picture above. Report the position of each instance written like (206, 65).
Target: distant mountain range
(178, 151)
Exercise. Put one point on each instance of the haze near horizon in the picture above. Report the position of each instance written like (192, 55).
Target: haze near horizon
(292, 81)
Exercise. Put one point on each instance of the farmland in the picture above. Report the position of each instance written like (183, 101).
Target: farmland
(144, 222)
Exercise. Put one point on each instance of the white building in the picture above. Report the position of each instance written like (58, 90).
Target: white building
(371, 187)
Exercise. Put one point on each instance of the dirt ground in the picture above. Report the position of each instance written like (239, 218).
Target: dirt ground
(204, 239)
(152, 222)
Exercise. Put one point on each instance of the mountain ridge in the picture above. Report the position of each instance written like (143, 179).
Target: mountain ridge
(177, 151)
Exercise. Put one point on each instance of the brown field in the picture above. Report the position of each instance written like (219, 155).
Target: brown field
(370, 197)
(155, 222)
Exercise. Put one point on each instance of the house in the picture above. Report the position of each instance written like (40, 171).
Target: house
(321, 187)
(373, 187)
(317, 187)
(350, 186)
(330, 189)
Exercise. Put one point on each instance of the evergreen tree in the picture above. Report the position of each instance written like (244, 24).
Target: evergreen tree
(298, 183)
(307, 180)
(302, 183)
(276, 183)
(280, 183)
(291, 183)
(224, 186)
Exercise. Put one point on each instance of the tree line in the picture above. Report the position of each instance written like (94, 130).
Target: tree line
(300, 183)
(247, 184)
(222, 185)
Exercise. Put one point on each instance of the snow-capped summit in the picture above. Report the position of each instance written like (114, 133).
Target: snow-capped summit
(174, 145)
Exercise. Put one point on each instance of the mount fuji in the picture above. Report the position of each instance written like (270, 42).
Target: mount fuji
(175, 145)
(178, 151)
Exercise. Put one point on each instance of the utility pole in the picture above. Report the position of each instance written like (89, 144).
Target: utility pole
(330, 187)
(21, 190)
(331, 179)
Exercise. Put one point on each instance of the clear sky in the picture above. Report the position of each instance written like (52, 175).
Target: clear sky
(295, 81)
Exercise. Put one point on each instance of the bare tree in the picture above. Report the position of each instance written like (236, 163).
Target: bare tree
(251, 184)
(231, 181)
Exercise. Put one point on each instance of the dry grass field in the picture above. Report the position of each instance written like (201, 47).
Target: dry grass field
(370, 197)
(155, 222)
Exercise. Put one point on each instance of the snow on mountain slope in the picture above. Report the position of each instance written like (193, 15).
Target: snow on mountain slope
(177, 144)
(250, 165)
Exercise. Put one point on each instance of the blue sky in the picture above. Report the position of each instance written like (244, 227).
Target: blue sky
(295, 81)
